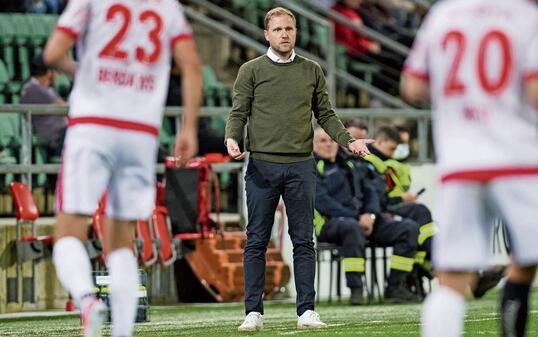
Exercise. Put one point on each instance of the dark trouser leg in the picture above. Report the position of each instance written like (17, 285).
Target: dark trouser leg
(403, 236)
(263, 193)
(423, 217)
(347, 233)
(299, 189)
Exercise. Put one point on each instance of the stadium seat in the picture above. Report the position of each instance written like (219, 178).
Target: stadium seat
(6, 158)
(62, 85)
(7, 37)
(159, 195)
(335, 258)
(7, 85)
(374, 277)
(168, 249)
(26, 212)
(22, 40)
(28, 247)
(146, 250)
(166, 135)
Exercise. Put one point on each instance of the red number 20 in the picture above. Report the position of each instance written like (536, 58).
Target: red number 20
(113, 49)
(454, 86)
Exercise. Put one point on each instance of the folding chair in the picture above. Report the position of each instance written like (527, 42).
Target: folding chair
(28, 247)
(146, 250)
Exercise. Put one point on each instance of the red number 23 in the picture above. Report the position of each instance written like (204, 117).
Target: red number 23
(113, 48)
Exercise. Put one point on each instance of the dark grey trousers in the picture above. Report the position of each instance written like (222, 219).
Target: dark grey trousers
(265, 183)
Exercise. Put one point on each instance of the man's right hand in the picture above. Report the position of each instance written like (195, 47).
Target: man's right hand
(233, 149)
(408, 197)
(366, 222)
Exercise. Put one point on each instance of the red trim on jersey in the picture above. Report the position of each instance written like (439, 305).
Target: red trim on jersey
(68, 31)
(486, 175)
(530, 75)
(180, 37)
(60, 185)
(116, 123)
(416, 73)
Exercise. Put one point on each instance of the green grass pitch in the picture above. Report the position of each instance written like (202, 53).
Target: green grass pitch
(221, 320)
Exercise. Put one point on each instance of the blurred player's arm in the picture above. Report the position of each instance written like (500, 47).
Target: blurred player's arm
(186, 58)
(56, 53)
(531, 87)
(414, 89)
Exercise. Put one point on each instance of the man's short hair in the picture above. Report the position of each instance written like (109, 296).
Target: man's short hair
(38, 67)
(277, 11)
(401, 129)
(386, 132)
(356, 123)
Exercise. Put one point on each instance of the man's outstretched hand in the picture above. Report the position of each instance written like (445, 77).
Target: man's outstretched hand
(359, 146)
(233, 149)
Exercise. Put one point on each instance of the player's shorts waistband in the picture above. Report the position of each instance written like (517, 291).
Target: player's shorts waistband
(115, 123)
(486, 175)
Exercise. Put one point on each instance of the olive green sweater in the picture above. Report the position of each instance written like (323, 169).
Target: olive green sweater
(276, 101)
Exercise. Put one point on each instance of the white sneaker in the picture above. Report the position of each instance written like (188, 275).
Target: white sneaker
(310, 320)
(93, 317)
(253, 322)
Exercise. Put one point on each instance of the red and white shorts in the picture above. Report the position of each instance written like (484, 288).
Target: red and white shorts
(467, 212)
(99, 158)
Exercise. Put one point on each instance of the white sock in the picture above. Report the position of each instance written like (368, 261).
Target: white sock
(443, 313)
(73, 267)
(123, 270)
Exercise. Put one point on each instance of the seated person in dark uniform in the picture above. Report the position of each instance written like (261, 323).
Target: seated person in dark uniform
(39, 90)
(347, 210)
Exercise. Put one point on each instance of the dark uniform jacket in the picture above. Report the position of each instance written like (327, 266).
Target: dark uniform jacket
(342, 190)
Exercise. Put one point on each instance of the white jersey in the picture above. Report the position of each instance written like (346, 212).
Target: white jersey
(477, 55)
(125, 50)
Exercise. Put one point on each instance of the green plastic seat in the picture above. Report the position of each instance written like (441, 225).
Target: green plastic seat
(6, 84)
(166, 135)
(320, 39)
(10, 130)
(7, 37)
(303, 31)
(211, 86)
(62, 84)
(40, 157)
(49, 23)
(38, 30)
(6, 158)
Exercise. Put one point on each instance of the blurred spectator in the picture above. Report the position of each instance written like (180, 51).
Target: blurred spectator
(208, 140)
(403, 150)
(12, 6)
(357, 128)
(45, 6)
(327, 4)
(365, 50)
(355, 42)
(38, 90)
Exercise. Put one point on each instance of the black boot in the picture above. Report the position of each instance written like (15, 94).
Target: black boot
(488, 279)
(400, 294)
(356, 297)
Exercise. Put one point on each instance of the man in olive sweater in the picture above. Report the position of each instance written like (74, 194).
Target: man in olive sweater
(276, 94)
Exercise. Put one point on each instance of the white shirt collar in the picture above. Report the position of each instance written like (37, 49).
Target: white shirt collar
(275, 58)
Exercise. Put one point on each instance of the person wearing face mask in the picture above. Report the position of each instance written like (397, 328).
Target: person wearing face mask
(399, 160)
(393, 181)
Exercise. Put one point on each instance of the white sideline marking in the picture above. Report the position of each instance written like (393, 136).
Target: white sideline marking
(31, 314)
